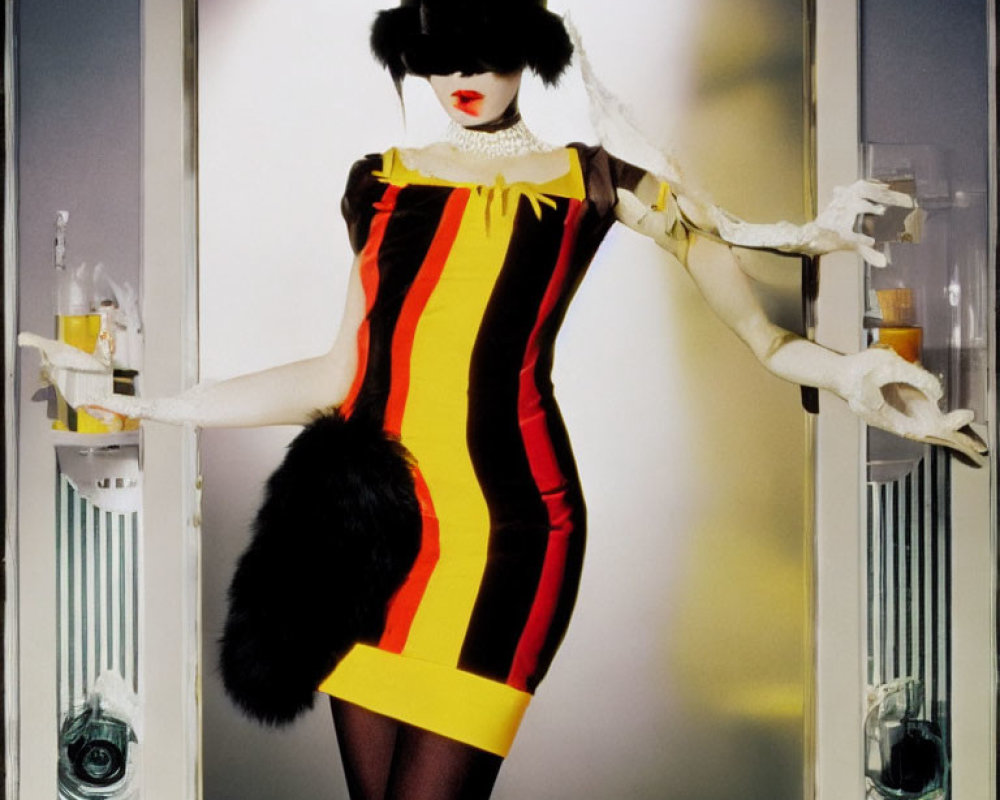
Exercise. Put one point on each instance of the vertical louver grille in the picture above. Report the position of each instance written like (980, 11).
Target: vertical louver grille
(97, 590)
(909, 644)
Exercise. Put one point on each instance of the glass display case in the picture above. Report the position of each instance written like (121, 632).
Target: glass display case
(101, 576)
(932, 305)
(918, 718)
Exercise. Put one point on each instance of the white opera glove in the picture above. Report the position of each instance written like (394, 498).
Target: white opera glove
(888, 392)
(833, 230)
(84, 380)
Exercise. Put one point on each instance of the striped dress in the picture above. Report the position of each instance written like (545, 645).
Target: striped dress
(466, 286)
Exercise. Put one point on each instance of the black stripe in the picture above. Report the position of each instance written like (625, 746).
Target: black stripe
(408, 235)
(519, 523)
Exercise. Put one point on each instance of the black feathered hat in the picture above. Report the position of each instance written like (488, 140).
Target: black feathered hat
(439, 37)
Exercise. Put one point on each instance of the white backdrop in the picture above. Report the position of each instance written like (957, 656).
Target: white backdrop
(683, 670)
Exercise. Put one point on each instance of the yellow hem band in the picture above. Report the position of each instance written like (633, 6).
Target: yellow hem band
(447, 701)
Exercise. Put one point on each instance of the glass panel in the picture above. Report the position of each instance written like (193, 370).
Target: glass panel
(926, 127)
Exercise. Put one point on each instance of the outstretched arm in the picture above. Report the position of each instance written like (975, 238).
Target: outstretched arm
(880, 387)
(831, 231)
(287, 394)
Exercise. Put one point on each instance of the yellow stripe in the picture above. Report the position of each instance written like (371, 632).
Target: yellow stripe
(570, 184)
(459, 705)
(434, 427)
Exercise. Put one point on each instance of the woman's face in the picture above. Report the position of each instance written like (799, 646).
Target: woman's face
(478, 99)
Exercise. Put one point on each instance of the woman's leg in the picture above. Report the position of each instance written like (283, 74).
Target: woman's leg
(427, 766)
(367, 742)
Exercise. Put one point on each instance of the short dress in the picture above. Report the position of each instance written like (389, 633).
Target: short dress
(466, 286)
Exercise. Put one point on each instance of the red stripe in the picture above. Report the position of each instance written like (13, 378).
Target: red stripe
(404, 604)
(369, 281)
(547, 474)
(415, 302)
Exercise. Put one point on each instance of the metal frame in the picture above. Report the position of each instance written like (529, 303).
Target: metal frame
(974, 557)
(839, 441)
(171, 572)
(10, 669)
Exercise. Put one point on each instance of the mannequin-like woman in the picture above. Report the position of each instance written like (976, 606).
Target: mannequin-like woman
(468, 252)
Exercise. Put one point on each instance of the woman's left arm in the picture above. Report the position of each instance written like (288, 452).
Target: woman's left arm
(832, 230)
(880, 387)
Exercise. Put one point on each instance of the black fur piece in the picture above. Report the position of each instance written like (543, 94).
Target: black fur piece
(336, 535)
(390, 36)
(548, 48)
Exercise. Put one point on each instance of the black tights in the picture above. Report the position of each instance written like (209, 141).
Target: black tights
(385, 759)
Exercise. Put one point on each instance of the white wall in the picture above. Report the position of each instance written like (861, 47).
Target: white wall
(683, 670)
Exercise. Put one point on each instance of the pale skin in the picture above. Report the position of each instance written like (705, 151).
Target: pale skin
(880, 387)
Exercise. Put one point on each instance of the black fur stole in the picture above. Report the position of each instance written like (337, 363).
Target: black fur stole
(336, 535)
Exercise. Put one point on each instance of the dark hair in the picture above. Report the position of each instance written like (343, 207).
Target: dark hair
(439, 37)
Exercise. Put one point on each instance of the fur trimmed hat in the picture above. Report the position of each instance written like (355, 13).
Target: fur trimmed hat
(439, 37)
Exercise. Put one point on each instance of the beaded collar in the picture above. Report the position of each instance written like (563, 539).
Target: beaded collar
(515, 140)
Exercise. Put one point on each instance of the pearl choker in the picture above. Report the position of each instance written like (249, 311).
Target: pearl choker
(516, 140)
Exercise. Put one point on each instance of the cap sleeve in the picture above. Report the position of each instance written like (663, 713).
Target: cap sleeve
(605, 174)
(362, 191)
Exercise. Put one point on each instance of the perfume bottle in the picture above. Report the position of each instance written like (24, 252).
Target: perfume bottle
(77, 323)
(97, 316)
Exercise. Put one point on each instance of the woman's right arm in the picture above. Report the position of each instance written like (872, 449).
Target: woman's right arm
(289, 394)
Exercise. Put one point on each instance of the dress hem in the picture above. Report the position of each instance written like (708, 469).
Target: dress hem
(463, 706)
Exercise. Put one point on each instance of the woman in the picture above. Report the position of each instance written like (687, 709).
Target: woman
(468, 253)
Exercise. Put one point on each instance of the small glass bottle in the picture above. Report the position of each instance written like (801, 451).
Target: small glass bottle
(890, 323)
(896, 329)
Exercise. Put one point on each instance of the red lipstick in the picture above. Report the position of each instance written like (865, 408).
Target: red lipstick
(468, 101)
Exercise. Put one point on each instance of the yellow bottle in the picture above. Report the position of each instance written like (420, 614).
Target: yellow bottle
(81, 331)
(896, 328)
(91, 327)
